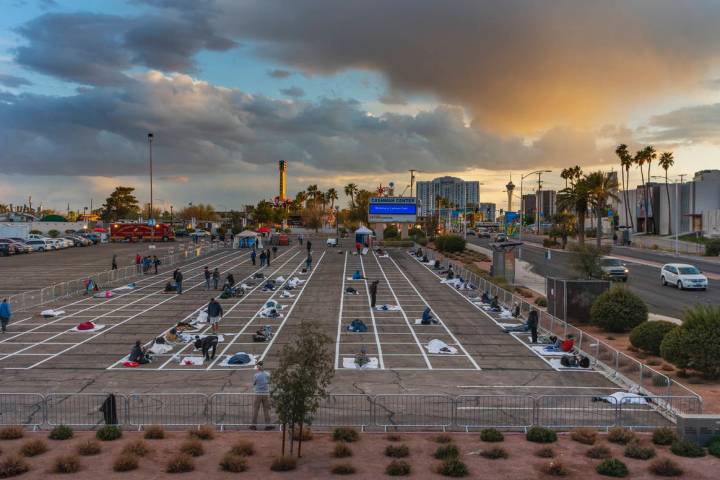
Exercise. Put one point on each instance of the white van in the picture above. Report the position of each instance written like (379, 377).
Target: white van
(40, 245)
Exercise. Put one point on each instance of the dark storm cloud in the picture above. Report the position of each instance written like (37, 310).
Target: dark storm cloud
(97, 49)
(12, 81)
(279, 73)
(700, 123)
(392, 99)
(294, 91)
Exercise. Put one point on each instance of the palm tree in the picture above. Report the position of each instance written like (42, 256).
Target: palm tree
(576, 197)
(351, 190)
(666, 161)
(639, 160)
(601, 187)
(300, 199)
(312, 191)
(332, 195)
(650, 155)
(625, 161)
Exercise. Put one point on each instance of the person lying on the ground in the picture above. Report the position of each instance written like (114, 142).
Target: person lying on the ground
(270, 313)
(269, 286)
(380, 252)
(495, 304)
(138, 354)
(351, 291)
(357, 325)
(205, 344)
(181, 326)
(357, 275)
(170, 287)
(427, 317)
(171, 335)
(575, 360)
(362, 357)
(263, 335)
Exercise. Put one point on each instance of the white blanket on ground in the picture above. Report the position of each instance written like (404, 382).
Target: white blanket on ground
(509, 325)
(350, 279)
(555, 363)
(202, 317)
(192, 360)
(455, 282)
(540, 350)
(95, 329)
(349, 362)
(625, 397)
(226, 359)
(52, 313)
(267, 313)
(384, 255)
(365, 251)
(505, 313)
(160, 348)
(286, 294)
(388, 308)
(418, 321)
(280, 279)
(191, 338)
(129, 286)
(438, 346)
(274, 304)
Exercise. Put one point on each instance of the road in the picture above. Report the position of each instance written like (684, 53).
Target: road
(644, 277)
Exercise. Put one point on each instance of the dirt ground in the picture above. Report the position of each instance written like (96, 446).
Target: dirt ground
(368, 457)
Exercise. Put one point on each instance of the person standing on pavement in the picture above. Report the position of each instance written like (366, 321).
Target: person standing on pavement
(274, 250)
(5, 314)
(253, 255)
(300, 240)
(267, 256)
(178, 277)
(309, 245)
(532, 323)
(138, 263)
(207, 275)
(114, 262)
(215, 313)
(308, 262)
(156, 263)
(262, 258)
(261, 388)
(373, 292)
(216, 278)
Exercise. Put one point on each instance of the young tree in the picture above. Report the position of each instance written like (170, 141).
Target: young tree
(586, 260)
(299, 383)
(263, 212)
(575, 197)
(312, 218)
(121, 204)
(563, 226)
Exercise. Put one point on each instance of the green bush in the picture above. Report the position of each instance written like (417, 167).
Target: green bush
(663, 436)
(714, 447)
(53, 233)
(345, 434)
(649, 335)
(452, 467)
(446, 451)
(541, 302)
(540, 435)
(639, 452)
(612, 467)
(398, 468)
(108, 433)
(712, 248)
(397, 451)
(450, 243)
(621, 435)
(696, 343)
(664, 467)
(618, 310)
(495, 453)
(61, 432)
(343, 468)
(491, 435)
(687, 448)
(598, 452)
(391, 232)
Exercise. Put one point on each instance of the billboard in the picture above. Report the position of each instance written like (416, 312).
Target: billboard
(392, 210)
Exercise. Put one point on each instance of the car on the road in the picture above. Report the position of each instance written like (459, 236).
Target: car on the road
(482, 233)
(614, 269)
(683, 276)
(40, 244)
(501, 237)
(331, 242)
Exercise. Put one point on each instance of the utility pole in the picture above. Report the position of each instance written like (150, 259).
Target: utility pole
(150, 137)
(538, 196)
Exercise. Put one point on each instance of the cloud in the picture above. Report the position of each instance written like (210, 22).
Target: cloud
(279, 73)
(47, 4)
(12, 81)
(393, 99)
(294, 91)
(699, 123)
(98, 49)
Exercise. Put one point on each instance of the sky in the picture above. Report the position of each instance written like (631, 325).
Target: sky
(355, 91)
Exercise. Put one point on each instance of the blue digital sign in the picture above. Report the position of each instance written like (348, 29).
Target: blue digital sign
(392, 209)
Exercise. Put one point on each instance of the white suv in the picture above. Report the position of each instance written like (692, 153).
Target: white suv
(683, 276)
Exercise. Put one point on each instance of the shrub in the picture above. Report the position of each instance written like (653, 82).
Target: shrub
(343, 468)
(598, 452)
(663, 436)
(452, 467)
(491, 435)
(664, 467)
(586, 436)
(541, 302)
(180, 463)
(108, 433)
(137, 447)
(205, 432)
(618, 310)
(283, 464)
(66, 464)
(154, 432)
(694, 344)
(442, 438)
(33, 447)
(612, 467)
(621, 435)
(687, 448)
(714, 447)
(243, 448)
(546, 452)
(61, 432)
(125, 462)
(233, 463)
(342, 450)
(391, 232)
(398, 468)
(397, 451)
(53, 233)
(192, 447)
(649, 335)
(444, 452)
(13, 466)
(11, 433)
(88, 447)
(639, 452)
(539, 434)
(345, 434)
(306, 434)
(554, 468)
(495, 453)
(712, 248)
(450, 243)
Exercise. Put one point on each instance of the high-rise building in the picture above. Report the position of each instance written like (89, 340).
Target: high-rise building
(455, 191)
(488, 212)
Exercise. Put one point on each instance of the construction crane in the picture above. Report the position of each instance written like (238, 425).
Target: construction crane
(412, 180)
(406, 189)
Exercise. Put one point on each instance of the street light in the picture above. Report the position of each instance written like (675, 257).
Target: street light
(522, 206)
(150, 138)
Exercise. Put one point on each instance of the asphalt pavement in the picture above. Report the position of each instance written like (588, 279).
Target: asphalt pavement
(644, 277)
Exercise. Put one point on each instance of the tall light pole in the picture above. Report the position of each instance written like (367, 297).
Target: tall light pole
(150, 137)
(522, 203)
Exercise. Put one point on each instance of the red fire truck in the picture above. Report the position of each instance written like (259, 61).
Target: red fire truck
(138, 232)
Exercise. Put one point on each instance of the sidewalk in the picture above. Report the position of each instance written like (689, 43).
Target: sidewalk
(523, 272)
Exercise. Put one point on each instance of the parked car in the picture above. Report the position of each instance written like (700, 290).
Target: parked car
(331, 242)
(6, 250)
(12, 245)
(614, 268)
(76, 241)
(93, 237)
(41, 245)
(23, 242)
(683, 276)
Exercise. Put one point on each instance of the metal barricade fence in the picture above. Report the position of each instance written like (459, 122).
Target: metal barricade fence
(496, 411)
(231, 409)
(653, 412)
(168, 409)
(22, 409)
(414, 411)
(345, 411)
(560, 411)
(83, 409)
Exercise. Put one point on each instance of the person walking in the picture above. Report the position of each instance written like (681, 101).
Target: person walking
(532, 323)
(300, 240)
(308, 262)
(215, 313)
(114, 262)
(178, 277)
(262, 259)
(274, 250)
(207, 275)
(156, 263)
(309, 245)
(253, 255)
(373, 292)
(267, 256)
(5, 314)
(138, 263)
(261, 388)
(216, 278)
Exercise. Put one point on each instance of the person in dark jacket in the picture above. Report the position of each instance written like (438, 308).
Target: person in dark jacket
(156, 263)
(215, 313)
(216, 278)
(114, 262)
(138, 354)
(178, 277)
(253, 255)
(373, 292)
(532, 323)
(207, 275)
(267, 256)
(205, 344)
(262, 258)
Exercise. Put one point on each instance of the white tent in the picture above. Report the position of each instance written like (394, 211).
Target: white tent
(247, 233)
(363, 231)
(247, 238)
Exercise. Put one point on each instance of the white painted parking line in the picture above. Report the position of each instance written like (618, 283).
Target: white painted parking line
(340, 314)
(381, 361)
